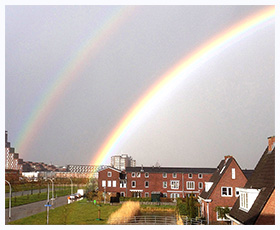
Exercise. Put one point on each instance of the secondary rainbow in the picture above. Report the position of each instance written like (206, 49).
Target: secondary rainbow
(175, 75)
(68, 74)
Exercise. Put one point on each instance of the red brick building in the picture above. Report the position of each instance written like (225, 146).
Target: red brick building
(256, 203)
(112, 181)
(143, 181)
(221, 190)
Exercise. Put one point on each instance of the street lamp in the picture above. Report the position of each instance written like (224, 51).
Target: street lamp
(71, 185)
(52, 189)
(10, 201)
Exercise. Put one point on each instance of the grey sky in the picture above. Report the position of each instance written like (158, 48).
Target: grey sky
(224, 107)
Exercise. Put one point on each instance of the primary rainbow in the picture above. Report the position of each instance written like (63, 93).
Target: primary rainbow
(68, 74)
(169, 80)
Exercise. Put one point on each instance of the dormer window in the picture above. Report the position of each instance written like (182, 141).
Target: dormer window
(247, 198)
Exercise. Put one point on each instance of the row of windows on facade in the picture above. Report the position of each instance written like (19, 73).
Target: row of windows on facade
(173, 184)
(147, 194)
(164, 175)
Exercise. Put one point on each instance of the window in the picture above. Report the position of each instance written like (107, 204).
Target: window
(146, 184)
(174, 195)
(226, 191)
(247, 198)
(190, 175)
(233, 173)
(146, 194)
(200, 175)
(244, 200)
(114, 183)
(236, 192)
(104, 183)
(133, 184)
(164, 194)
(221, 213)
(174, 184)
(174, 175)
(133, 174)
(190, 185)
(138, 174)
(146, 174)
(164, 184)
(109, 183)
(200, 185)
(122, 194)
(109, 174)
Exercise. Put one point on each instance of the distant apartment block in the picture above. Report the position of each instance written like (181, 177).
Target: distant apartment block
(122, 161)
(12, 160)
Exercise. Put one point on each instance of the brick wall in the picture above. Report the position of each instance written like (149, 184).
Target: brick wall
(226, 181)
(267, 216)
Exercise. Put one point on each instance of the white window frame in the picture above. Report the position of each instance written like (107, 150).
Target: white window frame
(114, 183)
(109, 174)
(109, 183)
(237, 193)
(227, 191)
(103, 183)
(200, 185)
(233, 175)
(146, 174)
(174, 175)
(122, 194)
(190, 175)
(174, 184)
(133, 186)
(222, 219)
(133, 174)
(146, 194)
(138, 174)
(146, 185)
(164, 183)
(190, 185)
(164, 175)
(200, 175)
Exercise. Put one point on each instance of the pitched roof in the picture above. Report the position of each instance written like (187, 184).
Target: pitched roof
(217, 175)
(262, 178)
(169, 170)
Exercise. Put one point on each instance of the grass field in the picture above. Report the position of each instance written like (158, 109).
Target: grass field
(20, 200)
(77, 213)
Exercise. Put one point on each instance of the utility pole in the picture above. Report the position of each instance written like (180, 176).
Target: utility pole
(10, 201)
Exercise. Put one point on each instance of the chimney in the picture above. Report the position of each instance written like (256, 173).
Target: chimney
(227, 157)
(271, 143)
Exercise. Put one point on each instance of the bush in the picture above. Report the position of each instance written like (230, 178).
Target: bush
(140, 199)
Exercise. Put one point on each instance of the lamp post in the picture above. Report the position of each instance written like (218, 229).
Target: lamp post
(48, 204)
(52, 189)
(10, 201)
(71, 185)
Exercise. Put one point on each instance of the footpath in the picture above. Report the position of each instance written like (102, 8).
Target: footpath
(26, 210)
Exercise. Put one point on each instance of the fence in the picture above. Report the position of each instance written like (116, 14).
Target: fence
(193, 221)
(146, 220)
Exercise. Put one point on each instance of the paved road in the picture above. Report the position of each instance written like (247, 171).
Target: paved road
(32, 208)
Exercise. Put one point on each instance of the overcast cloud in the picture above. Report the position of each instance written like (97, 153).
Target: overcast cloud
(226, 106)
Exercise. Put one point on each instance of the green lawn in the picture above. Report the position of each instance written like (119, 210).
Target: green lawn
(20, 200)
(77, 213)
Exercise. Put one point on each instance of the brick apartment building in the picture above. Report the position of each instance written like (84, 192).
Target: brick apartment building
(221, 190)
(143, 181)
